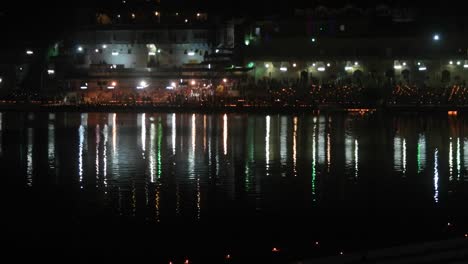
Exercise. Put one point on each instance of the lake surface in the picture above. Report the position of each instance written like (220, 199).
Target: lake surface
(201, 186)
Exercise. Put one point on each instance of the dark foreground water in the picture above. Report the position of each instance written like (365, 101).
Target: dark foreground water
(166, 187)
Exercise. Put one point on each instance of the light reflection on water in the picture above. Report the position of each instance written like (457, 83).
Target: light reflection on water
(193, 165)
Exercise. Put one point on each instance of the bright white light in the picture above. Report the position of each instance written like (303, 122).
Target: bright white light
(198, 14)
(348, 68)
(209, 66)
(173, 84)
(84, 87)
(193, 82)
(356, 63)
(465, 66)
(404, 63)
(29, 52)
(156, 13)
(283, 69)
(1, 80)
(143, 85)
(451, 62)
(104, 46)
(458, 62)
(313, 39)
(159, 50)
(321, 69)
(115, 53)
(397, 67)
(419, 63)
(169, 88)
(96, 50)
(80, 49)
(436, 37)
(422, 68)
(313, 64)
(50, 72)
(328, 64)
(294, 65)
(191, 53)
(151, 53)
(225, 80)
(186, 20)
(267, 65)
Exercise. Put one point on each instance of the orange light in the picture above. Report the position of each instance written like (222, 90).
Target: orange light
(275, 249)
(114, 83)
(452, 113)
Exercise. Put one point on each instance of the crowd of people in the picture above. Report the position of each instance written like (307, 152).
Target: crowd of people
(271, 92)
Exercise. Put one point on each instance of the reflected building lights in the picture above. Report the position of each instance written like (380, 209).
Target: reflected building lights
(29, 157)
(356, 158)
(314, 156)
(51, 146)
(404, 156)
(158, 203)
(82, 130)
(198, 199)
(191, 158)
(421, 153)
(152, 154)
(295, 146)
(321, 140)
(143, 134)
(174, 131)
(458, 159)
(451, 160)
(104, 153)
(114, 133)
(267, 145)
(328, 151)
(1, 134)
(283, 142)
(225, 133)
(204, 133)
(251, 151)
(159, 157)
(194, 133)
(349, 144)
(98, 141)
(80, 154)
(436, 177)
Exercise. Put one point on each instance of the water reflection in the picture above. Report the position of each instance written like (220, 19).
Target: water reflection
(399, 157)
(436, 176)
(267, 145)
(421, 153)
(159, 166)
(1, 134)
(29, 157)
(225, 133)
(295, 146)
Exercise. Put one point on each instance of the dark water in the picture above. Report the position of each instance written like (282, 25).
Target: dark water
(129, 186)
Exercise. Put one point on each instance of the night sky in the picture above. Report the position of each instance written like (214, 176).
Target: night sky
(41, 20)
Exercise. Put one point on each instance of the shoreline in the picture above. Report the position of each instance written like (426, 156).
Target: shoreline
(34, 107)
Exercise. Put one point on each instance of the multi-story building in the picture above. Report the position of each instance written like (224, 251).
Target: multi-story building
(322, 45)
(143, 52)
